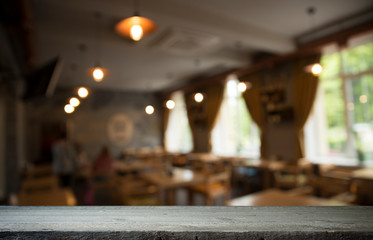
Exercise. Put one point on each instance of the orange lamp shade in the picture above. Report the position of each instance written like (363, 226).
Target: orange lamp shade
(135, 27)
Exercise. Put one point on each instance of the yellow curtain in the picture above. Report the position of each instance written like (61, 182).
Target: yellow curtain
(202, 116)
(166, 114)
(215, 94)
(192, 116)
(305, 89)
(253, 103)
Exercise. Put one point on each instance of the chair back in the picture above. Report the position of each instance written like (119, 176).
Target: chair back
(31, 185)
(219, 184)
(222, 178)
(133, 190)
(291, 175)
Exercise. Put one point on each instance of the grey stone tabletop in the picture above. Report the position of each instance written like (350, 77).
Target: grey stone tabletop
(352, 222)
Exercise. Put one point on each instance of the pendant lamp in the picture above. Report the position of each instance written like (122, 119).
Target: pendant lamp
(315, 68)
(135, 27)
(98, 72)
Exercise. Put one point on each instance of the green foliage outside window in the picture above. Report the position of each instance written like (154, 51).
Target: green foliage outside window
(358, 59)
(335, 111)
(354, 66)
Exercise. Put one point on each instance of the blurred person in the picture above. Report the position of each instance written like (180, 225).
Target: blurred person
(64, 160)
(104, 162)
(82, 187)
(83, 164)
(102, 181)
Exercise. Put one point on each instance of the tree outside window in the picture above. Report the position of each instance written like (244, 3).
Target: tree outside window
(343, 110)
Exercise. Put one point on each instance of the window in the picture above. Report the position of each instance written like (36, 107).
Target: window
(235, 133)
(343, 110)
(178, 133)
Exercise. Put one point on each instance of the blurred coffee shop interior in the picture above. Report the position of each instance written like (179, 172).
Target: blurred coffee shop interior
(179, 102)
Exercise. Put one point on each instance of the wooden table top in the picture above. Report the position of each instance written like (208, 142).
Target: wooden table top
(349, 173)
(180, 177)
(364, 173)
(132, 166)
(205, 157)
(57, 197)
(275, 197)
(268, 164)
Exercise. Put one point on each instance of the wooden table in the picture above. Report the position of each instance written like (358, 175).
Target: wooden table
(362, 185)
(268, 166)
(205, 157)
(132, 166)
(275, 197)
(180, 177)
(363, 174)
(57, 197)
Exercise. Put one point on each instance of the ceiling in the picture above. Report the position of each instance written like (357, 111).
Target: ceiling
(193, 37)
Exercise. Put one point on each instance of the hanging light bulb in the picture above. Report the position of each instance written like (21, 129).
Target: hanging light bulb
(69, 109)
(241, 87)
(170, 104)
(83, 92)
(316, 69)
(98, 74)
(149, 109)
(198, 97)
(135, 27)
(74, 102)
(136, 32)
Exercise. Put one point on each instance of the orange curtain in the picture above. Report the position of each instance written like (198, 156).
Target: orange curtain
(166, 114)
(215, 95)
(202, 116)
(253, 103)
(305, 89)
(192, 116)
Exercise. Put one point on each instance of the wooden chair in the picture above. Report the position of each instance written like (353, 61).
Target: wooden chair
(144, 153)
(158, 152)
(134, 191)
(326, 182)
(290, 176)
(326, 186)
(216, 184)
(57, 197)
(363, 190)
(103, 187)
(246, 180)
(45, 191)
(49, 183)
(200, 166)
(128, 154)
(38, 171)
(179, 160)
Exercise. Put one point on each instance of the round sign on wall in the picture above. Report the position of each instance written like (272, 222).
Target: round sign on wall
(120, 129)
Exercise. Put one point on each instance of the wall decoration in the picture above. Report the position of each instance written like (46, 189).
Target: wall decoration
(120, 129)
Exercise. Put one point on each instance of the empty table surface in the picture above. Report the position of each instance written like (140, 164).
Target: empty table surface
(137, 165)
(178, 178)
(275, 197)
(364, 173)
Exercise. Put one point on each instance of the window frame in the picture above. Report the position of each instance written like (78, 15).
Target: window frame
(349, 157)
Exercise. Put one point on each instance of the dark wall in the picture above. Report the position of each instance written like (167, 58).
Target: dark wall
(116, 119)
